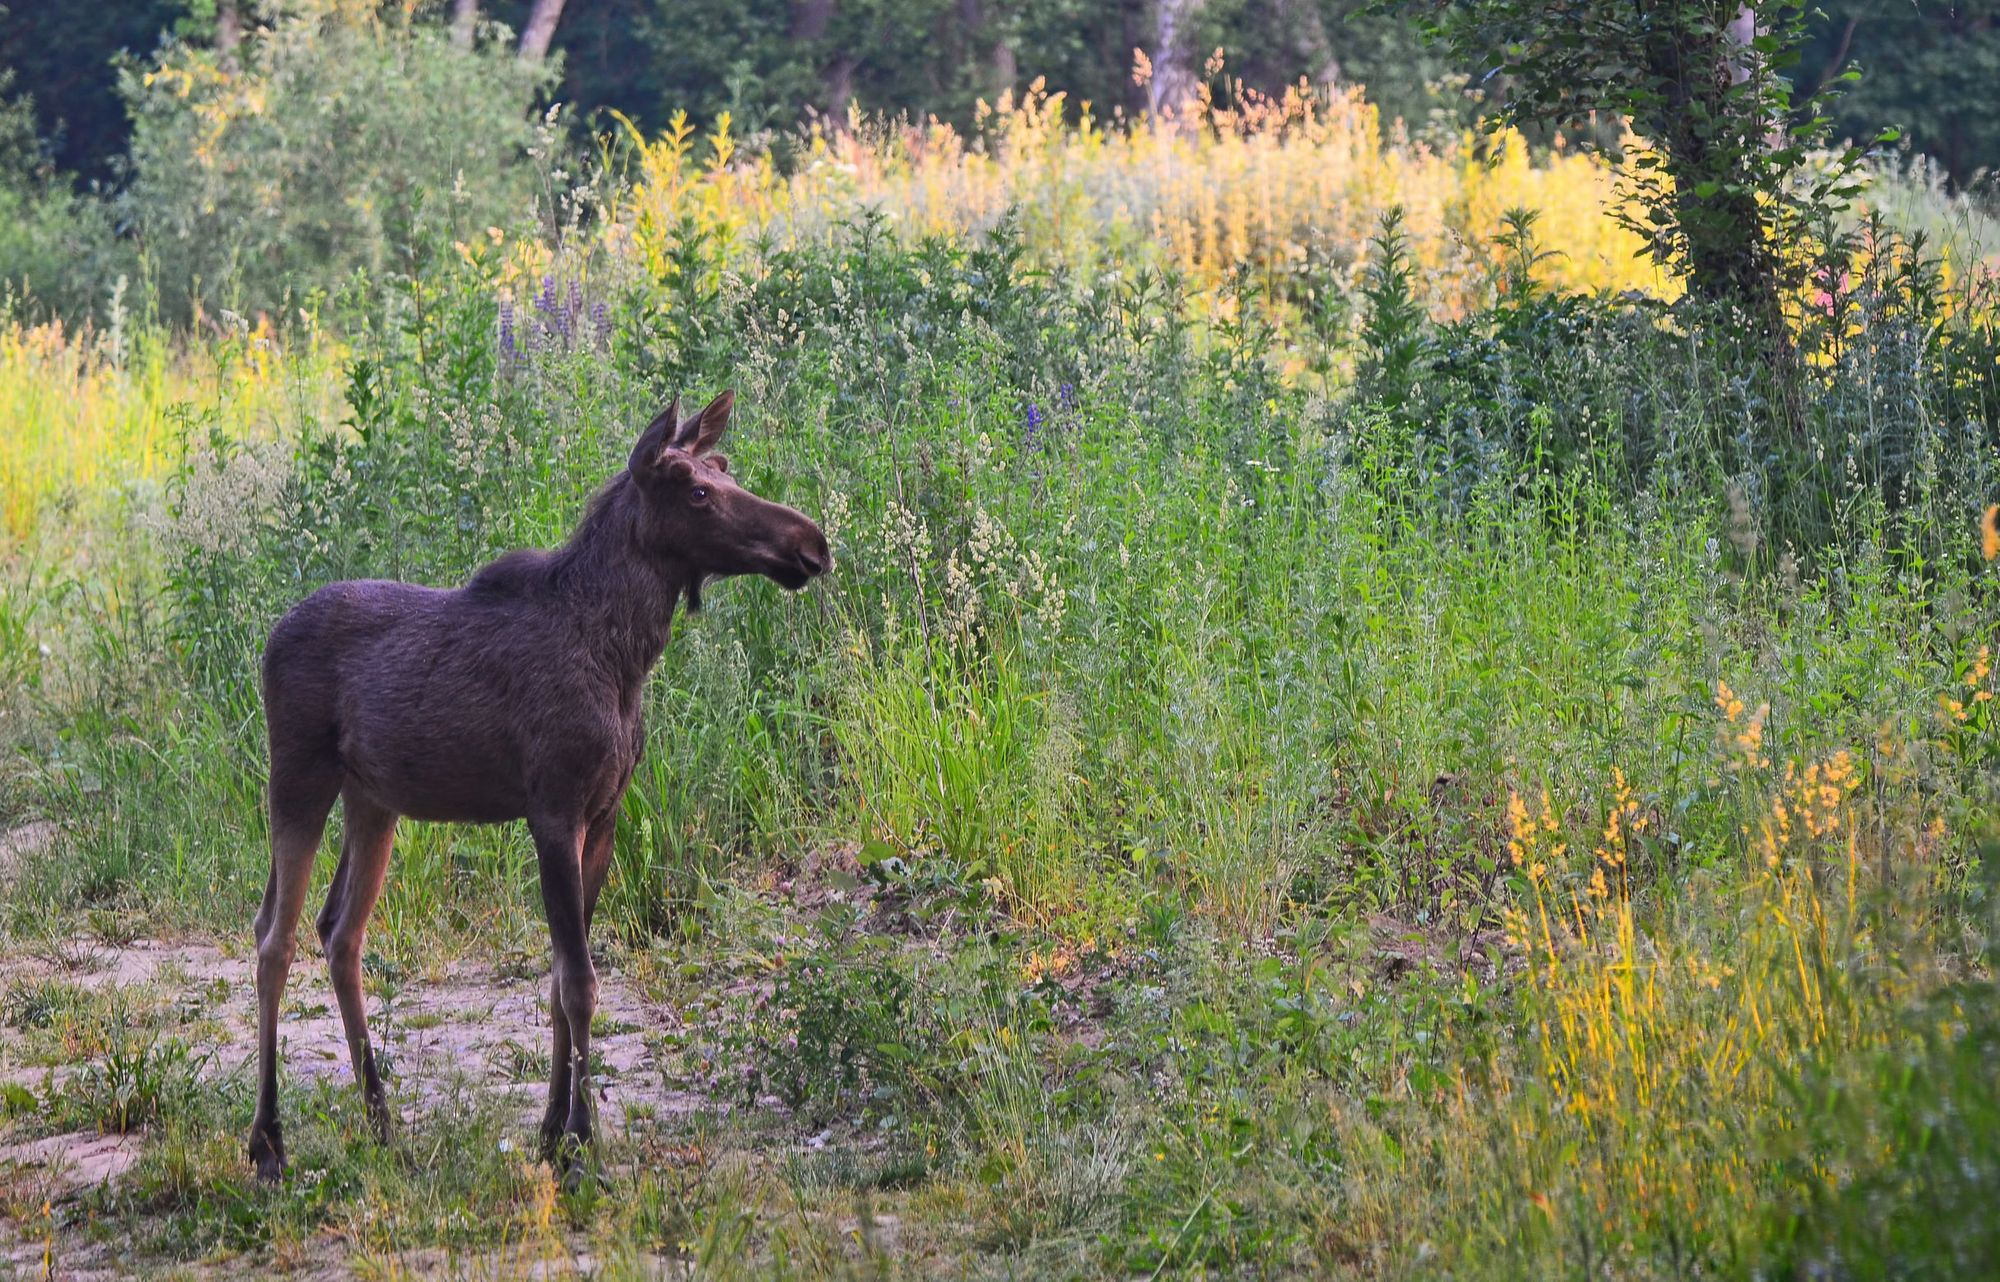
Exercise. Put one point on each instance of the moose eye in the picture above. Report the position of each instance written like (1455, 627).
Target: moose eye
(699, 494)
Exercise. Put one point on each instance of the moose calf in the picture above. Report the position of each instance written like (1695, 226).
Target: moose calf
(516, 696)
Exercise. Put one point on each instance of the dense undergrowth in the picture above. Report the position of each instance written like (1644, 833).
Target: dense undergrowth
(1505, 794)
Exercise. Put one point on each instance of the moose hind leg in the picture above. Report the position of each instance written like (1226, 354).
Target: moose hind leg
(343, 929)
(300, 800)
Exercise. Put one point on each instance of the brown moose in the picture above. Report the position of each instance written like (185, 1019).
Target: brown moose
(516, 696)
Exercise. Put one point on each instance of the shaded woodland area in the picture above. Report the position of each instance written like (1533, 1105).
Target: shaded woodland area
(769, 62)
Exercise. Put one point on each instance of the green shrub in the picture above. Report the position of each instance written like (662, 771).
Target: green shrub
(350, 140)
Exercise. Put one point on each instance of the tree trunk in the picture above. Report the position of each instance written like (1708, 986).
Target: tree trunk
(1742, 31)
(996, 72)
(810, 19)
(1173, 79)
(228, 33)
(1745, 61)
(541, 29)
(1002, 68)
(1702, 124)
(1324, 65)
(464, 21)
(839, 80)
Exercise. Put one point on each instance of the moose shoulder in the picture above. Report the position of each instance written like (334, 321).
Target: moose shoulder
(516, 696)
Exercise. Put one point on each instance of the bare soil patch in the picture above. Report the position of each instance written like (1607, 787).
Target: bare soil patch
(75, 1160)
(20, 844)
(474, 1027)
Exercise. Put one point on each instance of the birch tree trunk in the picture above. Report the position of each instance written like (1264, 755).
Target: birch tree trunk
(1173, 81)
(1743, 30)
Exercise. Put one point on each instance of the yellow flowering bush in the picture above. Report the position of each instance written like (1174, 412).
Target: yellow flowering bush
(1258, 183)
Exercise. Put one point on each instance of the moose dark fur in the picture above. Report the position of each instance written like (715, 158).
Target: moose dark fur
(516, 696)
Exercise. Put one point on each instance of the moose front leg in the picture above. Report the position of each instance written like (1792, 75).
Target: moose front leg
(596, 863)
(559, 853)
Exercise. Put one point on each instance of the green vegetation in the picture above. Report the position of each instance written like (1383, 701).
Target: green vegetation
(1285, 778)
(273, 184)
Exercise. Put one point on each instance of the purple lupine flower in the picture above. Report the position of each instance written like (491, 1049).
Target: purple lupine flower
(1066, 396)
(545, 302)
(600, 316)
(508, 351)
(1034, 421)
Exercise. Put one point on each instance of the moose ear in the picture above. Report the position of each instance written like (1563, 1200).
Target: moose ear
(658, 435)
(699, 434)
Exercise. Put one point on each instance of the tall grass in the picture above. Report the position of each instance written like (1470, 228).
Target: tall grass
(92, 413)
(1269, 647)
(1676, 1069)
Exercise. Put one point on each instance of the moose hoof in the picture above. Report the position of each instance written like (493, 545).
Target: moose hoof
(267, 1153)
(580, 1173)
(381, 1121)
(569, 1157)
(550, 1137)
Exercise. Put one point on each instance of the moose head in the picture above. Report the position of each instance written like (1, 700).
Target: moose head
(697, 512)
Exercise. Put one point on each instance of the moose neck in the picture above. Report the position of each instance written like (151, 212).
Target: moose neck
(623, 593)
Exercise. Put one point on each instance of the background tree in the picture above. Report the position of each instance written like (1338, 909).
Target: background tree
(1702, 82)
(1271, 43)
(540, 29)
(228, 32)
(57, 247)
